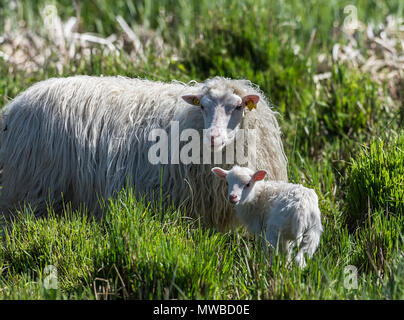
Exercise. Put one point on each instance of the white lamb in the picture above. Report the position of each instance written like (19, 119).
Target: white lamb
(287, 213)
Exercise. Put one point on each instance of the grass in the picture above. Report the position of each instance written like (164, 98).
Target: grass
(138, 255)
(376, 180)
(342, 138)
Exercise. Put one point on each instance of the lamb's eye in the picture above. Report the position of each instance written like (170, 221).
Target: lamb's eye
(239, 107)
(247, 185)
(202, 107)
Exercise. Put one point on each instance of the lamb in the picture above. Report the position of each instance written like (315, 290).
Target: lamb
(287, 213)
(82, 139)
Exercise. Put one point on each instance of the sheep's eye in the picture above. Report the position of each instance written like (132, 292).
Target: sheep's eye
(202, 107)
(247, 185)
(239, 107)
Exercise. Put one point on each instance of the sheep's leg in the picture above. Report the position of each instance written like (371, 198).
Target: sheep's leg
(289, 251)
(300, 259)
(268, 251)
(283, 245)
(286, 247)
(274, 237)
(309, 244)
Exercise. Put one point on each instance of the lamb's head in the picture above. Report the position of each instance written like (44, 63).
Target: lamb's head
(223, 111)
(241, 182)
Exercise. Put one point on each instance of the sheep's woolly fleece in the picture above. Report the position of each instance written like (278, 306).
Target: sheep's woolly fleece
(83, 138)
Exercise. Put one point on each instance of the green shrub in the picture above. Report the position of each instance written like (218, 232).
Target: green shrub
(376, 181)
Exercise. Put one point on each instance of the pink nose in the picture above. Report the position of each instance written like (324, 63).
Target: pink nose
(233, 198)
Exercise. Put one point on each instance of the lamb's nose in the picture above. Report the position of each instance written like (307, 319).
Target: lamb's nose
(233, 198)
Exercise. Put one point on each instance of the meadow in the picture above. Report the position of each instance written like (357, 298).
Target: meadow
(338, 85)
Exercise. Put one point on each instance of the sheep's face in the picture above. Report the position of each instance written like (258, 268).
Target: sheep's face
(222, 114)
(241, 183)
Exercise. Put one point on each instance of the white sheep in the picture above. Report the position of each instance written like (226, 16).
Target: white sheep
(287, 213)
(82, 138)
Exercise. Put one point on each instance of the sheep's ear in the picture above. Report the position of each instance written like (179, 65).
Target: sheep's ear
(220, 172)
(259, 175)
(192, 99)
(250, 101)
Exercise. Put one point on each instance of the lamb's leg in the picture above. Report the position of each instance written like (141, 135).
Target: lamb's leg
(289, 250)
(267, 249)
(309, 244)
(274, 237)
(301, 262)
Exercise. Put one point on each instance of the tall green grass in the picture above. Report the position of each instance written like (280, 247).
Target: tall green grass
(136, 254)
(376, 181)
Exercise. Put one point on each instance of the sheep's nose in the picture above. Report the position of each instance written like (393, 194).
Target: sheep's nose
(233, 198)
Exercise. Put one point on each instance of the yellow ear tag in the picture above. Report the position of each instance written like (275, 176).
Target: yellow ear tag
(251, 105)
(196, 101)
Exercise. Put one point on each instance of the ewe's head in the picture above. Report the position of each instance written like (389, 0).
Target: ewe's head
(222, 104)
(241, 182)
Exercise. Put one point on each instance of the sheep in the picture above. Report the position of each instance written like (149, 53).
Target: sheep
(287, 213)
(82, 139)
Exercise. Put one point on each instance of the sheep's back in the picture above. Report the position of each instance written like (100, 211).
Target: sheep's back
(86, 132)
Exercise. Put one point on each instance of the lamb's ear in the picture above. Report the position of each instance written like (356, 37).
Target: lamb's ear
(250, 101)
(259, 175)
(192, 99)
(220, 172)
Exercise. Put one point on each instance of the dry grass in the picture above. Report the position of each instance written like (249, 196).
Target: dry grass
(376, 50)
(61, 42)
